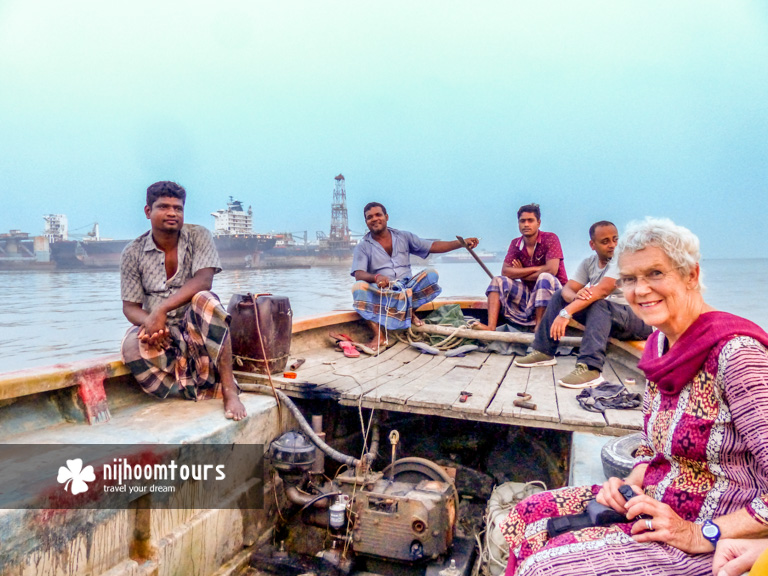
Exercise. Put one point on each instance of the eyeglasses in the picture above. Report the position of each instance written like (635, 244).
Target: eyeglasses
(653, 278)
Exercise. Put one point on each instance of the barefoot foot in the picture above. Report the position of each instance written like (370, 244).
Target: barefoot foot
(481, 326)
(233, 408)
(377, 345)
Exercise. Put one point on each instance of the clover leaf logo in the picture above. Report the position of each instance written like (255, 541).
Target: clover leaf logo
(75, 473)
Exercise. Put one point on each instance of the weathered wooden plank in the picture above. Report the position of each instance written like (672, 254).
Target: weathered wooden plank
(436, 371)
(368, 386)
(443, 392)
(622, 373)
(363, 381)
(484, 384)
(357, 365)
(571, 413)
(515, 380)
(352, 366)
(317, 362)
(403, 376)
(473, 360)
(541, 387)
(630, 419)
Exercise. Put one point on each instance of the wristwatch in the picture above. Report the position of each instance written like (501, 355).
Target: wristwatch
(711, 532)
(564, 314)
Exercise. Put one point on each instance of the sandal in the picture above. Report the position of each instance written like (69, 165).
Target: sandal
(349, 349)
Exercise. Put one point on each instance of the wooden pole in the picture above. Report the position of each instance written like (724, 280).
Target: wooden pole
(475, 256)
(513, 337)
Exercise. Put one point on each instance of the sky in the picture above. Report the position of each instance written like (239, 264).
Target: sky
(451, 113)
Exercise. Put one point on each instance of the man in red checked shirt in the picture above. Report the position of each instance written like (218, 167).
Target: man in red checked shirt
(532, 272)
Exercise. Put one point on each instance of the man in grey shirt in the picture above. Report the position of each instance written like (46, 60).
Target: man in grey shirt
(386, 293)
(180, 334)
(592, 298)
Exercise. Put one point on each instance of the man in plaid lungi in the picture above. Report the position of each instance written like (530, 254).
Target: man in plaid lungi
(532, 272)
(180, 335)
(386, 293)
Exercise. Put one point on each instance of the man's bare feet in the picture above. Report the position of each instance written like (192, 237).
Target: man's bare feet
(481, 326)
(416, 321)
(233, 408)
(376, 345)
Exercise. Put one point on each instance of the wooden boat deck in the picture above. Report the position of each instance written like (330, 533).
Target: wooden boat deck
(402, 379)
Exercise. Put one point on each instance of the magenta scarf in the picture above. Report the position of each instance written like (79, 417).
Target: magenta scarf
(673, 370)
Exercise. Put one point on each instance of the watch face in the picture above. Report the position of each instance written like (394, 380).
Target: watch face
(710, 531)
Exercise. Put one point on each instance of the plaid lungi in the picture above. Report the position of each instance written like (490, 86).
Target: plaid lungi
(391, 307)
(519, 301)
(191, 359)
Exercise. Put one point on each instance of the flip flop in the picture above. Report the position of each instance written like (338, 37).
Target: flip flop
(349, 349)
(425, 348)
(339, 337)
(363, 348)
(461, 350)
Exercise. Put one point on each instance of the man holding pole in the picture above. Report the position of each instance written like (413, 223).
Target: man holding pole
(386, 293)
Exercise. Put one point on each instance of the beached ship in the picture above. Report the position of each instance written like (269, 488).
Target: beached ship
(20, 251)
(235, 241)
(403, 515)
(463, 257)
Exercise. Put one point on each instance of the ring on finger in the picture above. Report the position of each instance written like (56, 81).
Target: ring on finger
(649, 524)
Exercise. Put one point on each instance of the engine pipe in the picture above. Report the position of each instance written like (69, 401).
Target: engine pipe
(305, 427)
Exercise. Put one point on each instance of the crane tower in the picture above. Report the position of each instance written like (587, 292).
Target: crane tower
(339, 237)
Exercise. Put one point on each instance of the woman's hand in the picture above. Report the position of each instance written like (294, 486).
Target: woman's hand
(610, 496)
(659, 523)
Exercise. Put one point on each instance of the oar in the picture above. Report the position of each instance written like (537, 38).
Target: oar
(475, 256)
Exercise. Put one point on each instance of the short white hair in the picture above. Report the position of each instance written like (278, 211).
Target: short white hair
(679, 244)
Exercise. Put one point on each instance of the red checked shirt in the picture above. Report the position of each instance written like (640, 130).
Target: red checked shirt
(547, 248)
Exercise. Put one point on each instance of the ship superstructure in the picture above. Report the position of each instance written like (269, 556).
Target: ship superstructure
(234, 221)
(56, 227)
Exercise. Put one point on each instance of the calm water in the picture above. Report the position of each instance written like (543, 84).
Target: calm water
(50, 317)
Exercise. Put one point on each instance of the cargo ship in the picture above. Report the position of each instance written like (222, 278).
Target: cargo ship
(235, 241)
(20, 251)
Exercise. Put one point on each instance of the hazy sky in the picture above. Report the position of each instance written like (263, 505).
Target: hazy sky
(451, 113)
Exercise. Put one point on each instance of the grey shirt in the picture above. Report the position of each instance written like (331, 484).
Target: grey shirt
(589, 273)
(142, 268)
(370, 256)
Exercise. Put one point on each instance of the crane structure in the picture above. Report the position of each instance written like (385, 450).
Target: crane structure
(339, 238)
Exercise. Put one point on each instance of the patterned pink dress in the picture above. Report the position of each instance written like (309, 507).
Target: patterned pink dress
(707, 455)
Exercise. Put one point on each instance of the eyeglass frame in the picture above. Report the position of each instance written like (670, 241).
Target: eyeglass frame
(622, 282)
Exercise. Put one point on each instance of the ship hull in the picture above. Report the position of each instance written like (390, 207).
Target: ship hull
(234, 252)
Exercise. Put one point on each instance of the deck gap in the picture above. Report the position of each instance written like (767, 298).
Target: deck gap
(495, 392)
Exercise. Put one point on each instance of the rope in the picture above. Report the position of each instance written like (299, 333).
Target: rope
(266, 362)
(447, 343)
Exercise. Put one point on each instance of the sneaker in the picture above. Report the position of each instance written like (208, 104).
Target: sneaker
(582, 377)
(535, 358)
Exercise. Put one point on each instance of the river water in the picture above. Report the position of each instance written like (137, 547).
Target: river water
(60, 316)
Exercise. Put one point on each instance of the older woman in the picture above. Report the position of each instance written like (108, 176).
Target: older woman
(702, 472)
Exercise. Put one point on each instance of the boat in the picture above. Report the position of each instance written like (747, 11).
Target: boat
(462, 257)
(438, 417)
(233, 236)
(20, 251)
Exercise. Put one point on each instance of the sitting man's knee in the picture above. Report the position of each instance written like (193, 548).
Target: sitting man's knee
(359, 285)
(547, 277)
(203, 296)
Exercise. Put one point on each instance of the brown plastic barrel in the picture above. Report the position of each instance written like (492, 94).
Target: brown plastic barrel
(258, 319)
